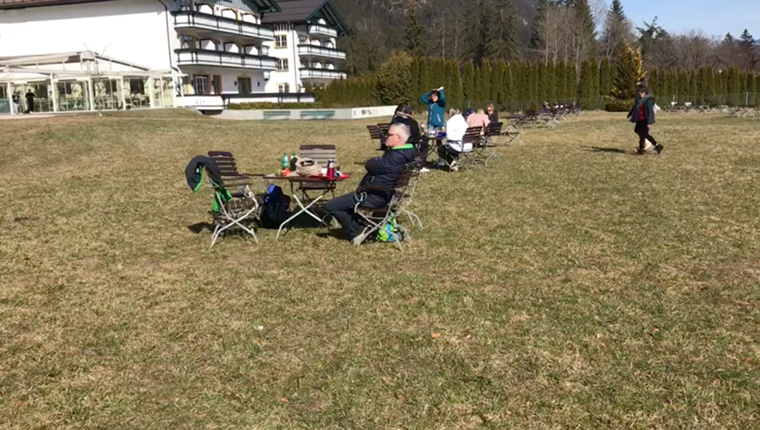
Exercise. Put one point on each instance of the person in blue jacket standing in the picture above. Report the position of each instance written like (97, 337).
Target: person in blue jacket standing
(436, 103)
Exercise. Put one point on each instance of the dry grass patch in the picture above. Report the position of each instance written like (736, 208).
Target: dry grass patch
(571, 285)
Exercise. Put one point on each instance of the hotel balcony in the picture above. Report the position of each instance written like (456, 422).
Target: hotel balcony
(208, 57)
(204, 25)
(316, 30)
(315, 74)
(316, 51)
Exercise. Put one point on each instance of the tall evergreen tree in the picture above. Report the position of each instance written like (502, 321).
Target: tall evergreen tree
(506, 99)
(693, 86)
(468, 84)
(551, 83)
(415, 32)
(504, 40)
(538, 32)
(749, 52)
(605, 77)
(497, 81)
(456, 94)
(734, 87)
(629, 73)
(683, 86)
(485, 92)
(617, 29)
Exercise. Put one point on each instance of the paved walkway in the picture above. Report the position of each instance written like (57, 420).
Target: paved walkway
(25, 116)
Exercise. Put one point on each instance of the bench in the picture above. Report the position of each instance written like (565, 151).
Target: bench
(317, 114)
(276, 114)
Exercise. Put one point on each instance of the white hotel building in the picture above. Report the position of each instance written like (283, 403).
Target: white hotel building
(128, 54)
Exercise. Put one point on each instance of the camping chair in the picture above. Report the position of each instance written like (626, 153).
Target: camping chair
(376, 134)
(374, 219)
(238, 209)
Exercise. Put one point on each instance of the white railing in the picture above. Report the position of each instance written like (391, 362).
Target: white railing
(322, 30)
(321, 51)
(187, 19)
(226, 59)
(321, 74)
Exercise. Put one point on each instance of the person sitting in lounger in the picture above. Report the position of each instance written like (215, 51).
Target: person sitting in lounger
(382, 172)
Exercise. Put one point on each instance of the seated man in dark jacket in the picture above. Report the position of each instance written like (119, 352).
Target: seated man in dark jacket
(382, 172)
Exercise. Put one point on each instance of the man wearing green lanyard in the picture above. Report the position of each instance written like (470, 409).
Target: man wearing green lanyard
(382, 172)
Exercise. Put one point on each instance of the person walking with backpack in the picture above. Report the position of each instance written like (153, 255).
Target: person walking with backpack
(642, 114)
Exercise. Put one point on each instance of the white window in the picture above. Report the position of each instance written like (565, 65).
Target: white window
(200, 85)
(283, 88)
(281, 41)
(282, 64)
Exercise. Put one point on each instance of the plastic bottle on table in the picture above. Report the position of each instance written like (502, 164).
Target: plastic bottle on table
(331, 169)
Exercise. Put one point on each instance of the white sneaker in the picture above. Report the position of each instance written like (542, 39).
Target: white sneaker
(424, 170)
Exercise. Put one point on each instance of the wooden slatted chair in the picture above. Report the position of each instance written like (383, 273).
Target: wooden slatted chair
(376, 134)
(321, 154)
(472, 138)
(228, 168)
(486, 148)
(376, 218)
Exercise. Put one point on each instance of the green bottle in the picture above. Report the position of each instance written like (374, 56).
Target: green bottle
(284, 160)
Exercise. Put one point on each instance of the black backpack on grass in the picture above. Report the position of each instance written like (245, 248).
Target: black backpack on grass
(276, 205)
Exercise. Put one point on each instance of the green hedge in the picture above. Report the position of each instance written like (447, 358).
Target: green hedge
(270, 105)
(617, 105)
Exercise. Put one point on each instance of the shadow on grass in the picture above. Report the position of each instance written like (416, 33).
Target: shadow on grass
(610, 150)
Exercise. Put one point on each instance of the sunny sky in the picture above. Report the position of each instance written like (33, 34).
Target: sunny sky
(714, 17)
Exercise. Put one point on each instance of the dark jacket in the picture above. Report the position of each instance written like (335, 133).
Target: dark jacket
(383, 171)
(194, 172)
(414, 127)
(648, 102)
(494, 117)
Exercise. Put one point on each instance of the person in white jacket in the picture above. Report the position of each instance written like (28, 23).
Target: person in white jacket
(456, 127)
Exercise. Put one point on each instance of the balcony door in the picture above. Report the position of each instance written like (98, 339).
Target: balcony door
(200, 85)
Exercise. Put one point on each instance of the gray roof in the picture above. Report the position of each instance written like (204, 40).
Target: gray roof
(300, 11)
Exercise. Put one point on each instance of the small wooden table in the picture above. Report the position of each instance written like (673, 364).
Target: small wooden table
(329, 186)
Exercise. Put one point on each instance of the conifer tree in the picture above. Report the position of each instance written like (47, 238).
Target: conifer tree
(693, 86)
(551, 82)
(485, 92)
(653, 81)
(497, 77)
(629, 74)
(734, 87)
(457, 97)
(468, 84)
(605, 77)
(683, 86)
(415, 32)
(506, 99)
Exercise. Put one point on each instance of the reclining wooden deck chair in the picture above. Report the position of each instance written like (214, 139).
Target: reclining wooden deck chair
(374, 219)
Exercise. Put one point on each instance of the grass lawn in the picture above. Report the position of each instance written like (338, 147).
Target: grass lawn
(569, 285)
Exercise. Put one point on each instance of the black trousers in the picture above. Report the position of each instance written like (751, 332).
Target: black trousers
(30, 104)
(642, 129)
(342, 209)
